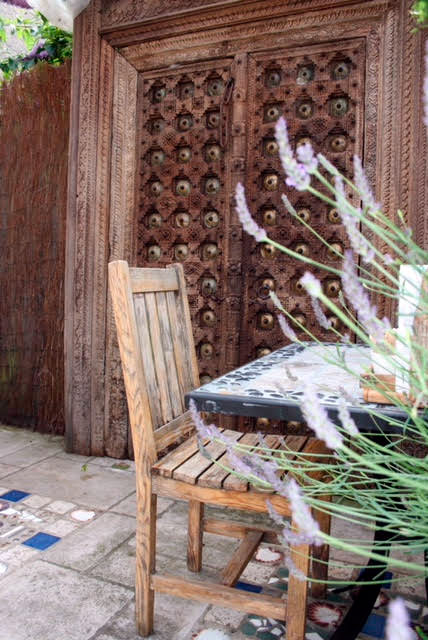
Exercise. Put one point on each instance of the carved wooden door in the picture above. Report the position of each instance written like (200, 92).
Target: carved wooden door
(189, 165)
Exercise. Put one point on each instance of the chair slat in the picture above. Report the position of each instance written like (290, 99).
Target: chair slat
(149, 280)
(190, 470)
(234, 482)
(174, 431)
(147, 357)
(175, 395)
(215, 476)
(184, 372)
(172, 460)
(158, 357)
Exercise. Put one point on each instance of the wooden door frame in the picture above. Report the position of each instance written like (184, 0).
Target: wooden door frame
(113, 41)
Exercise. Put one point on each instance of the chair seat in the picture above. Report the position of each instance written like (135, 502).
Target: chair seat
(187, 463)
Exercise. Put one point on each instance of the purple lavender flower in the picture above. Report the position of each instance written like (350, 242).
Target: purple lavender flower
(205, 430)
(363, 186)
(398, 622)
(286, 329)
(359, 299)
(298, 175)
(327, 165)
(301, 514)
(318, 420)
(351, 223)
(346, 420)
(18, 3)
(245, 218)
(322, 319)
(305, 154)
(311, 284)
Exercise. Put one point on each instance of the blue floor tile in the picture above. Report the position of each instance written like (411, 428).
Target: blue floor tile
(375, 626)
(246, 586)
(14, 495)
(41, 541)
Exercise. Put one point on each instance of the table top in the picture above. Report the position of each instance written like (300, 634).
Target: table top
(272, 386)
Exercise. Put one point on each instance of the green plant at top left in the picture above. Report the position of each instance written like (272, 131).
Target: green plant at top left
(44, 42)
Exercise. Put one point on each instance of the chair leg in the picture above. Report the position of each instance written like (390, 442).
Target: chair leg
(320, 554)
(297, 593)
(194, 535)
(145, 562)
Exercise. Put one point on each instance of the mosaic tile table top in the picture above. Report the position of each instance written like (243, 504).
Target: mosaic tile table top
(276, 381)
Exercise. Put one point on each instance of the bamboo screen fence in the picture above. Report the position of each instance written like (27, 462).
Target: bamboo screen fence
(34, 126)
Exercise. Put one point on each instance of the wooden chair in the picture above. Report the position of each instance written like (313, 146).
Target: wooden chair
(159, 367)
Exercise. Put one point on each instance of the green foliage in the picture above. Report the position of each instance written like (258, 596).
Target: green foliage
(420, 11)
(44, 42)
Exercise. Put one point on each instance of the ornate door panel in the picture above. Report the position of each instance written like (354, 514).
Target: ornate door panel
(320, 92)
(184, 193)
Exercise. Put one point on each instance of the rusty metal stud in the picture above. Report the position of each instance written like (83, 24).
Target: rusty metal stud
(304, 140)
(213, 152)
(183, 188)
(263, 423)
(215, 87)
(266, 321)
(182, 219)
(271, 147)
(338, 143)
(209, 251)
(154, 220)
(208, 318)
(153, 253)
(338, 107)
(186, 90)
(334, 249)
(302, 249)
(211, 219)
(184, 154)
(208, 286)
(273, 77)
(269, 217)
(213, 119)
(206, 350)
(212, 186)
(270, 182)
(293, 425)
(298, 287)
(266, 286)
(205, 379)
(305, 74)
(181, 251)
(272, 112)
(158, 93)
(156, 188)
(157, 157)
(185, 122)
(300, 319)
(341, 70)
(267, 250)
(334, 216)
(263, 351)
(158, 125)
(332, 288)
(304, 214)
(334, 322)
(305, 110)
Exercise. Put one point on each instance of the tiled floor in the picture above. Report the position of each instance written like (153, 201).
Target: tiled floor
(67, 557)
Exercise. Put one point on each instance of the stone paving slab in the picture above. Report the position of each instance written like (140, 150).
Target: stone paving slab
(42, 601)
(84, 548)
(31, 454)
(91, 486)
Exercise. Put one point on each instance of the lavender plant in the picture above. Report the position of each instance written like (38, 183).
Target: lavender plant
(372, 478)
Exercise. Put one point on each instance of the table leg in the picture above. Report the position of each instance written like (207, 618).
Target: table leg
(362, 606)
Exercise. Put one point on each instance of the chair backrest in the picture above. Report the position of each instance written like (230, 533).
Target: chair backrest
(157, 352)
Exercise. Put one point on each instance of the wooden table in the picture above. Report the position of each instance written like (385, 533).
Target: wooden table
(272, 386)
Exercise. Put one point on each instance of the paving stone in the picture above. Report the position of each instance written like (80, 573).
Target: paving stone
(46, 602)
(6, 469)
(32, 453)
(12, 440)
(85, 547)
(36, 502)
(60, 528)
(60, 506)
(229, 618)
(128, 506)
(94, 488)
